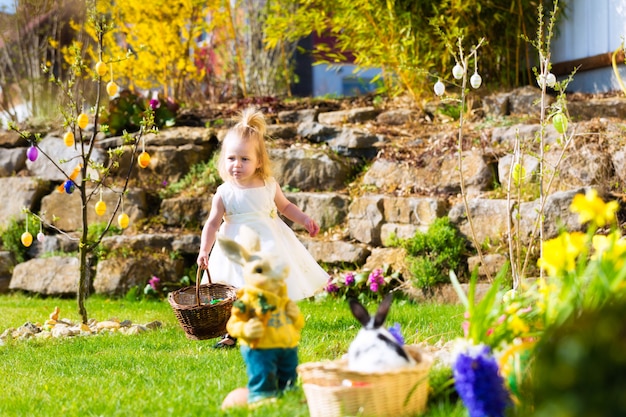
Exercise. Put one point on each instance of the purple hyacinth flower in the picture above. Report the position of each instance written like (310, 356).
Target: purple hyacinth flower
(397, 333)
(154, 282)
(479, 383)
(331, 287)
(349, 278)
(154, 104)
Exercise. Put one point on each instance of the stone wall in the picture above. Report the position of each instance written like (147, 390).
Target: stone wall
(363, 173)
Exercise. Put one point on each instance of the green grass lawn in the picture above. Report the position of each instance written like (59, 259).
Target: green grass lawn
(161, 372)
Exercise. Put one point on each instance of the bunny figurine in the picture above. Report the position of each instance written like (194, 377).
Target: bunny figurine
(264, 320)
(375, 349)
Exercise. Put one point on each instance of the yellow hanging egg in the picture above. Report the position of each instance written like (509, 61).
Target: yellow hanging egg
(27, 239)
(101, 68)
(82, 120)
(123, 220)
(112, 88)
(144, 159)
(68, 139)
(100, 207)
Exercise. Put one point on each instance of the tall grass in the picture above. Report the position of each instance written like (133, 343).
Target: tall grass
(161, 372)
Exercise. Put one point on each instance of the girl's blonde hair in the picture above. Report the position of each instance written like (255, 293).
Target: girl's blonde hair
(250, 126)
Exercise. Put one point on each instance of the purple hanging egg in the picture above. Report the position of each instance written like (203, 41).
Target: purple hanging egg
(32, 153)
(69, 186)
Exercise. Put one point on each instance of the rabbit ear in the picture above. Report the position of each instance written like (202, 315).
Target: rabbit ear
(360, 312)
(249, 239)
(383, 310)
(233, 250)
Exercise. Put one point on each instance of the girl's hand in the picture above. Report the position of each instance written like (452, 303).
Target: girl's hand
(203, 260)
(311, 227)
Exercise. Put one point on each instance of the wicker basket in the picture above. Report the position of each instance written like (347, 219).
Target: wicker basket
(196, 314)
(333, 391)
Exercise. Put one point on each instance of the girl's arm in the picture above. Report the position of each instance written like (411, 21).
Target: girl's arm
(209, 231)
(293, 213)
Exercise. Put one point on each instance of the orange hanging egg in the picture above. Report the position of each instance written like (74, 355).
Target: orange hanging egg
(123, 220)
(27, 239)
(100, 207)
(82, 120)
(68, 139)
(101, 68)
(144, 159)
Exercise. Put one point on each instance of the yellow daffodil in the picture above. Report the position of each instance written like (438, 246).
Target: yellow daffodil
(590, 207)
(559, 254)
(610, 248)
(518, 326)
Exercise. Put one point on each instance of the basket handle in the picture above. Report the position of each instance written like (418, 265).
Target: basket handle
(198, 279)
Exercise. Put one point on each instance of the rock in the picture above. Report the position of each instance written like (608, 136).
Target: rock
(107, 325)
(357, 115)
(328, 209)
(64, 210)
(17, 193)
(7, 263)
(12, 161)
(56, 275)
(309, 169)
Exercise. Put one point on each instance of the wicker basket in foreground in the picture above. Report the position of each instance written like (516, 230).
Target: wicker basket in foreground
(198, 310)
(333, 391)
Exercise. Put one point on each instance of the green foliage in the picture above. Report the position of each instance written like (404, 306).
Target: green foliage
(432, 255)
(580, 365)
(156, 289)
(127, 111)
(407, 39)
(452, 110)
(12, 234)
(202, 177)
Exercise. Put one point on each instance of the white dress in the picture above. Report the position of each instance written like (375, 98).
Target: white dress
(255, 208)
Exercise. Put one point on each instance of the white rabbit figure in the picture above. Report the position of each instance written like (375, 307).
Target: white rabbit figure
(375, 349)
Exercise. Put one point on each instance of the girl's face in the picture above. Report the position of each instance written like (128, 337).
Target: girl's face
(241, 160)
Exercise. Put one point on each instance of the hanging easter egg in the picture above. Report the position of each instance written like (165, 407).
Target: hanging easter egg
(559, 121)
(550, 80)
(32, 153)
(100, 207)
(440, 88)
(112, 88)
(41, 237)
(101, 68)
(123, 220)
(68, 138)
(541, 80)
(69, 186)
(476, 80)
(27, 239)
(144, 159)
(82, 120)
(457, 71)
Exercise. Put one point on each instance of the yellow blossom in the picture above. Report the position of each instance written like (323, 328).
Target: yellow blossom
(559, 254)
(518, 326)
(610, 248)
(590, 207)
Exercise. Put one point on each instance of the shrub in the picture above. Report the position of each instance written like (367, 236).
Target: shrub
(11, 237)
(201, 178)
(432, 255)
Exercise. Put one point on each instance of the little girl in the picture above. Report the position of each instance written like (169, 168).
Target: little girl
(251, 196)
